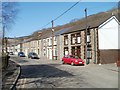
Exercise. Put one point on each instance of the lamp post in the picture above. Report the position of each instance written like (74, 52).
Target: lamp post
(52, 40)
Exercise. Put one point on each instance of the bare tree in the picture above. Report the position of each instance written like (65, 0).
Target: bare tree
(8, 13)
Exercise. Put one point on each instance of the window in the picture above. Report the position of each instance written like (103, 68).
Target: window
(55, 51)
(55, 41)
(89, 56)
(73, 39)
(73, 50)
(50, 41)
(78, 51)
(66, 40)
(66, 51)
(88, 32)
(88, 36)
(78, 38)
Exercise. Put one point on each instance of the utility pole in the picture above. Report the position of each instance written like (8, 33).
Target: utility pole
(6, 42)
(52, 40)
(86, 36)
(3, 37)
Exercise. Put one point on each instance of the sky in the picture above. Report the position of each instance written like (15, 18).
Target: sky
(32, 16)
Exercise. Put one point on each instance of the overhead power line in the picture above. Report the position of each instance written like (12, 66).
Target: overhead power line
(61, 14)
(66, 11)
(46, 25)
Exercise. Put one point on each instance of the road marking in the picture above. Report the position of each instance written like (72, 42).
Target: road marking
(21, 83)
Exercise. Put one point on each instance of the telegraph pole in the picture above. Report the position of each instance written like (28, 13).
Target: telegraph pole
(52, 40)
(86, 36)
(6, 42)
(3, 44)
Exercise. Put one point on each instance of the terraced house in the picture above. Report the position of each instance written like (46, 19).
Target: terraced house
(46, 40)
(31, 45)
(102, 39)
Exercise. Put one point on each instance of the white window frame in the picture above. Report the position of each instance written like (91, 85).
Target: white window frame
(78, 39)
(88, 38)
(73, 40)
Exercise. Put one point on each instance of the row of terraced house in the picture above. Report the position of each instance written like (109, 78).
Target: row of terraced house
(102, 40)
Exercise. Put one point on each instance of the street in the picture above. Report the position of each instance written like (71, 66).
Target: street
(42, 73)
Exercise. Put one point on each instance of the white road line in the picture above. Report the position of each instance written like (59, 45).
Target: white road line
(18, 84)
(24, 82)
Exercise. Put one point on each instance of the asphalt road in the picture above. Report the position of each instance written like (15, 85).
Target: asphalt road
(42, 73)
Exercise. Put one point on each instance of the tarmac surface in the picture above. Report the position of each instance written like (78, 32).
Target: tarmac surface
(52, 74)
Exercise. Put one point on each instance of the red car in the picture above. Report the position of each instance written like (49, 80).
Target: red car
(73, 60)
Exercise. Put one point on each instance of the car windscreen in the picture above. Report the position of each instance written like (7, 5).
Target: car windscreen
(21, 53)
(34, 54)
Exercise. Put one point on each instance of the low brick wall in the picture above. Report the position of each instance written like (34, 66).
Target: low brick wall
(109, 56)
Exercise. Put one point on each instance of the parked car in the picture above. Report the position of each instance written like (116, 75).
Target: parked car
(73, 60)
(21, 54)
(33, 55)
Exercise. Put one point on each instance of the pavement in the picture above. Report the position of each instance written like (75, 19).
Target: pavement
(10, 76)
(111, 66)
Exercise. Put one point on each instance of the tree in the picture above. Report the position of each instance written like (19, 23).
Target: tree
(8, 13)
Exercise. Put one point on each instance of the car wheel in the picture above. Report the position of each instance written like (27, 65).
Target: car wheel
(63, 62)
(72, 63)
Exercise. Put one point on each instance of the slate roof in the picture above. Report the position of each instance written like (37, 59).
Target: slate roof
(62, 31)
(92, 21)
